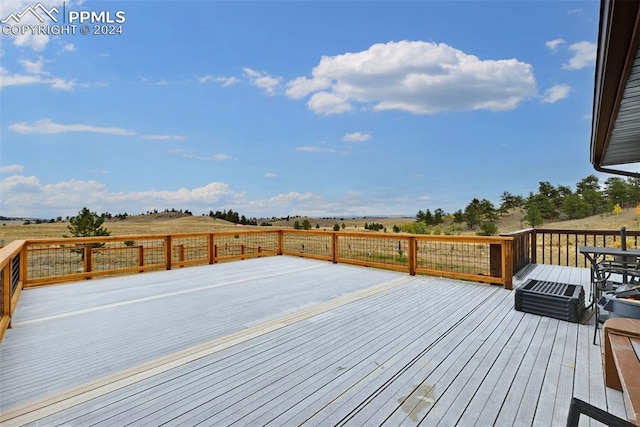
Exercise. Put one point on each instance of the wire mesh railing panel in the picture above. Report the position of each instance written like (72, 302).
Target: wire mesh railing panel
(114, 256)
(374, 250)
(54, 260)
(454, 257)
(316, 244)
(264, 243)
(237, 245)
(64, 259)
(193, 248)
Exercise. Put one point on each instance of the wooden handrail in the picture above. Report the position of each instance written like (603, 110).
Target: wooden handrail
(9, 292)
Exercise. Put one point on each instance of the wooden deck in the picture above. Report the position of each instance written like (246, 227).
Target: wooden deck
(290, 341)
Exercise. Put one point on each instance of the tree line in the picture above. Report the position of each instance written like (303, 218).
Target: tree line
(549, 203)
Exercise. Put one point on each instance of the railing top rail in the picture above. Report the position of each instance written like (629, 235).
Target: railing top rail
(462, 238)
(518, 232)
(126, 237)
(376, 235)
(9, 251)
(616, 232)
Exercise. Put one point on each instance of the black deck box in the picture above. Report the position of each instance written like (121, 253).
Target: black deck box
(552, 299)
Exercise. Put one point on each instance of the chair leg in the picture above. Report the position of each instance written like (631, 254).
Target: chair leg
(595, 327)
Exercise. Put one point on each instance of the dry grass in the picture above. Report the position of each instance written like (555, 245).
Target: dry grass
(168, 224)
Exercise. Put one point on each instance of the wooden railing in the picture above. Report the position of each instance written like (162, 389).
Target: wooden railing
(521, 248)
(562, 247)
(32, 263)
(11, 266)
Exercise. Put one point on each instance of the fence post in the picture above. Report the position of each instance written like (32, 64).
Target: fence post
(495, 259)
(412, 255)
(141, 257)
(6, 295)
(87, 259)
(334, 247)
(181, 255)
(507, 263)
(211, 249)
(168, 251)
(534, 247)
(280, 241)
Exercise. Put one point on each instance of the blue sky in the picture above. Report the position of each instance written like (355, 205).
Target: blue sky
(293, 107)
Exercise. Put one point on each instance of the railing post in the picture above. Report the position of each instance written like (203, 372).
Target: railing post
(87, 251)
(507, 263)
(23, 264)
(211, 249)
(181, 255)
(242, 251)
(168, 251)
(496, 259)
(412, 256)
(280, 241)
(334, 247)
(6, 294)
(141, 257)
(534, 247)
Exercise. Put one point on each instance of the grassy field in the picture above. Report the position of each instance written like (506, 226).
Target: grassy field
(167, 224)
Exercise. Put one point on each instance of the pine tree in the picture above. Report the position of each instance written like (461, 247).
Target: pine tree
(87, 224)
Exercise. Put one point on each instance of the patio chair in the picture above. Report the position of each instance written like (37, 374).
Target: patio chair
(628, 274)
(579, 407)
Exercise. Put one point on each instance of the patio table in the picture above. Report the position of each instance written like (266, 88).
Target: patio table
(625, 263)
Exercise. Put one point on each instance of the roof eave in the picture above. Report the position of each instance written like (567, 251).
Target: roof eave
(617, 44)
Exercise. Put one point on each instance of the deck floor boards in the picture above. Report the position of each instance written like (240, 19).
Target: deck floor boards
(425, 351)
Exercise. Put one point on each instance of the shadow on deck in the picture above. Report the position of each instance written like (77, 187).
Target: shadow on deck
(287, 341)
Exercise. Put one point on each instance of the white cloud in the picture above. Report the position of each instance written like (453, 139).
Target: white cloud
(165, 137)
(28, 196)
(584, 55)
(270, 175)
(314, 149)
(263, 80)
(47, 126)
(554, 44)
(11, 169)
(7, 79)
(328, 103)
(414, 76)
(225, 81)
(161, 82)
(302, 86)
(34, 67)
(62, 84)
(356, 137)
(68, 47)
(192, 155)
(555, 93)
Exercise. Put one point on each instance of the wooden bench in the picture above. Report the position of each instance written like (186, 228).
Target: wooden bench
(622, 361)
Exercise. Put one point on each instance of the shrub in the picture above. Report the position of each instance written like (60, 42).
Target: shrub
(488, 229)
